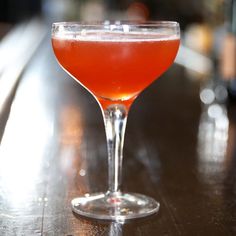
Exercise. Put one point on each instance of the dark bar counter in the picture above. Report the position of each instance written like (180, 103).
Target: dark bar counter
(53, 149)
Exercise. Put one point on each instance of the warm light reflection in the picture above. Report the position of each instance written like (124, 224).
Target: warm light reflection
(70, 136)
(71, 126)
(72, 156)
(25, 142)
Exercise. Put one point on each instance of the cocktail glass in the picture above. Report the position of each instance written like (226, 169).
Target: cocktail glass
(115, 61)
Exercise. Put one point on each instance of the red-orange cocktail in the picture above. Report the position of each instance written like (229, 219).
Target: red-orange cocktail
(113, 68)
(115, 61)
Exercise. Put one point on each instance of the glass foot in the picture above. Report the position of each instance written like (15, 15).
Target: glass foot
(115, 206)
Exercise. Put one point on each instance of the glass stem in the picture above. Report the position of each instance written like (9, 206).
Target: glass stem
(115, 117)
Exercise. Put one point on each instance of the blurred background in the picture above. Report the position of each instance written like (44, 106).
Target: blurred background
(206, 56)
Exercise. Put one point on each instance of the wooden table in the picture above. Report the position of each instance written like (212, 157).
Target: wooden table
(53, 149)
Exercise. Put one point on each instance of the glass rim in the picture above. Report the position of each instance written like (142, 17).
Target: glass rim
(157, 23)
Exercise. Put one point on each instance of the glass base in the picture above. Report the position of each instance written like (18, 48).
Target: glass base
(115, 206)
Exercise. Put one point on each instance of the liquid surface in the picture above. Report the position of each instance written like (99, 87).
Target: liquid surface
(114, 68)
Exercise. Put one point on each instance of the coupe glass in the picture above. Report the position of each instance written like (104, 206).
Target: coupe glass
(115, 61)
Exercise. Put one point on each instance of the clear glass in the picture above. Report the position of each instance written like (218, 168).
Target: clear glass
(115, 61)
